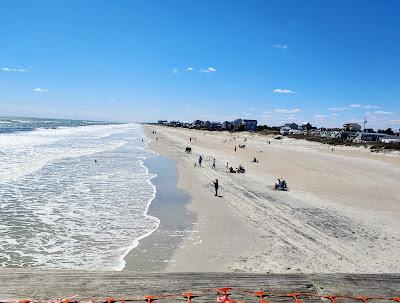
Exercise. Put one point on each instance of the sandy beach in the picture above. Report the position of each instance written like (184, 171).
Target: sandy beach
(340, 213)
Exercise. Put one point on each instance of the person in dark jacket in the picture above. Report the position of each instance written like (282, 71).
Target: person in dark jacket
(216, 187)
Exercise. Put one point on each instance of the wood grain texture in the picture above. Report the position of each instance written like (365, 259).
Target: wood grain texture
(45, 285)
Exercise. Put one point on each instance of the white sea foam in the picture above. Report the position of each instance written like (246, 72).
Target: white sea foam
(61, 209)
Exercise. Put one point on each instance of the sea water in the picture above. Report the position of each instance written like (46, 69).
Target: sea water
(73, 195)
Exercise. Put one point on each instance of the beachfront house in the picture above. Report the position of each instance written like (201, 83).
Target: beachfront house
(290, 128)
(197, 124)
(175, 123)
(331, 133)
(226, 125)
(306, 126)
(352, 127)
(207, 125)
(162, 122)
(370, 137)
(216, 125)
(244, 124)
(250, 124)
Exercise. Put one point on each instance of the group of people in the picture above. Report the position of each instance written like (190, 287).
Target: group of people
(280, 184)
(239, 170)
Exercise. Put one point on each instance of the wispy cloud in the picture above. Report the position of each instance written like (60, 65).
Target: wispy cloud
(280, 46)
(208, 70)
(112, 99)
(320, 117)
(14, 69)
(174, 71)
(338, 109)
(40, 90)
(363, 106)
(287, 111)
(189, 69)
(283, 91)
(381, 112)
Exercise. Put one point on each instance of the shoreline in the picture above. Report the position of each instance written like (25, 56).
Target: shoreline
(154, 250)
(315, 227)
(136, 242)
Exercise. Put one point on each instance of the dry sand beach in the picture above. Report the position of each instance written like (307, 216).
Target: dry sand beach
(341, 213)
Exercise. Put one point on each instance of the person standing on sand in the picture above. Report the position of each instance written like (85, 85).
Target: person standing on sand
(200, 160)
(216, 187)
(213, 166)
(235, 148)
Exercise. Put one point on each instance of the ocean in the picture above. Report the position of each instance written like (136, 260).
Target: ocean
(73, 194)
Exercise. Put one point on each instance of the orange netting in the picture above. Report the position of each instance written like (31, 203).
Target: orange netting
(224, 295)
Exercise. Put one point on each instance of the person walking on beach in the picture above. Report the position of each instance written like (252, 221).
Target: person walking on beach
(216, 187)
(200, 160)
(235, 148)
(213, 166)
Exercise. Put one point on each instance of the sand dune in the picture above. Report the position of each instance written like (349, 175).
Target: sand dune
(340, 214)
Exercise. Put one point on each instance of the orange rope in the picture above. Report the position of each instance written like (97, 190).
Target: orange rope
(222, 296)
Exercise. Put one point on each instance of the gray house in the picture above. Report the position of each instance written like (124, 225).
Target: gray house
(352, 127)
(244, 124)
(226, 125)
(197, 123)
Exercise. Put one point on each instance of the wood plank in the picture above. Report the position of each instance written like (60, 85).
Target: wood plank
(47, 285)
(372, 285)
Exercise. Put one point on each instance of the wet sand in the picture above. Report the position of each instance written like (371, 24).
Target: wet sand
(176, 223)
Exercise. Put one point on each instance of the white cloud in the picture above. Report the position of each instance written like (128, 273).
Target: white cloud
(174, 71)
(366, 106)
(287, 111)
(338, 109)
(40, 90)
(381, 112)
(112, 99)
(283, 91)
(320, 117)
(189, 69)
(280, 46)
(208, 70)
(14, 69)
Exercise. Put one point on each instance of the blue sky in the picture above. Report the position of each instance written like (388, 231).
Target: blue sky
(326, 62)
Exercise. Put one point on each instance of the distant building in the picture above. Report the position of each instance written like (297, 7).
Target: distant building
(216, 125)
(307, 126)
(244, 124)
(352, 127)
(162, 122)
(290, 128)
(370, 137)
(207, 125)
(175, 123)
(197, 123)
(226, 125)
(390, 140)
(250, 125)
